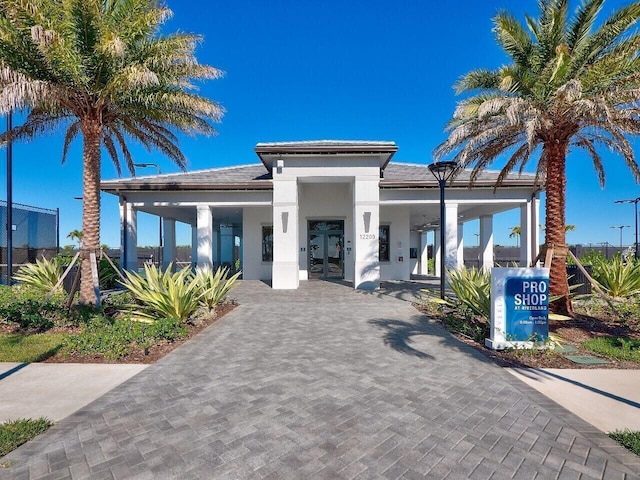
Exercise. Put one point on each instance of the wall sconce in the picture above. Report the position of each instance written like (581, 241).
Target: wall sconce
(285, 222)
(367, 221)
(279, 165)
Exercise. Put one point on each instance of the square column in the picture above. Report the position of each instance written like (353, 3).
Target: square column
(486, 242)
(424, 253)
(525, 235)
(460, 247)
(204, 224)
(366, 222)
(437, 251)
(535, 227)
(285, 275)
(129, 234)
(451, 236)
(169, 246)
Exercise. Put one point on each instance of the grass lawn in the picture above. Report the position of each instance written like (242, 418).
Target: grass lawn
(618, 348)
(627, 439)
(13, 434)
(16, 347)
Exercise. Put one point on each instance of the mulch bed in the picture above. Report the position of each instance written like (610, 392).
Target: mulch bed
(573, 332)
(151, 355)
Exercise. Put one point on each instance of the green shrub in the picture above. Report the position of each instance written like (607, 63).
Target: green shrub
(43, 275)
(117, 338)
(108, 276)
(617, 278)
(13, 434)
(625, 349)
(29, 308)
(628, 439)
(163, 294)
(214, 287)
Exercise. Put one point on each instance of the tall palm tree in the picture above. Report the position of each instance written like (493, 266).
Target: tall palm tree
(77, 236)
(516, 232)
(101, 70)
(572, 82)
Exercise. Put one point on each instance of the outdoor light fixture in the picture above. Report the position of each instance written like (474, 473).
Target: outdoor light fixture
(621, 227)
(443, 172)
(635, 202)
(285, 222)
(367, 221)
(154, 165)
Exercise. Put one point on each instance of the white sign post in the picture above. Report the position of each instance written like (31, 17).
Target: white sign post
(519, 308)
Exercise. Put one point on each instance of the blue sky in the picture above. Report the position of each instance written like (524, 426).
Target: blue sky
(357, 69)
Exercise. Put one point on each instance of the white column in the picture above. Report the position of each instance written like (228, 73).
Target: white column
(129, 232)
(285, 234)
(525, 235)
(535, 226)
(460, 247)
(424, 253)
(437, 251)
(169, 246)
(366, 221)
(451, 236)
(204, 222)
(486, 242)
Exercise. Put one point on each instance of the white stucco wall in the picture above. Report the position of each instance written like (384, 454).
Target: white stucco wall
(253, 219)
(399, 243)
(325, 201)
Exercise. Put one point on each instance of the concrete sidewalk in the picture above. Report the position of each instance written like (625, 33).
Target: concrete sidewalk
(607, 399)
(55, 390)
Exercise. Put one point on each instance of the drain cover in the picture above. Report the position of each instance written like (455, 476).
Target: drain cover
(585, 359)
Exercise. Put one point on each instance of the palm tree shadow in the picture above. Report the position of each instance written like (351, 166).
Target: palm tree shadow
(401, 335)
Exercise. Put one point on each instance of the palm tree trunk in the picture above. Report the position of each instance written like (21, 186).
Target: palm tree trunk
(554, 153)
(92, 131)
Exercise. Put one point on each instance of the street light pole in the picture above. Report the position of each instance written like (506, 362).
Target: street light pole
(9, 202)
(155, 165)
(621, 227)
(635, 203)
(443, 172)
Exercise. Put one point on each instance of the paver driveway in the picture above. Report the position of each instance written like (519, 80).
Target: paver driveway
(322, 382)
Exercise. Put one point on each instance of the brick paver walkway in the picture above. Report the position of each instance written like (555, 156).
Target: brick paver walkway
(322, 382)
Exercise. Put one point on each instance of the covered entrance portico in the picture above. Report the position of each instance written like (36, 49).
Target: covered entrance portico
(327, 209)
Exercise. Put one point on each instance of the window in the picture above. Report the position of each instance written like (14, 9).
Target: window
(383, 248)
(267, 243)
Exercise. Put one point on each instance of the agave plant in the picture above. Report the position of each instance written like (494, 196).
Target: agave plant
(43, 275)
(472, 289)
(163, 294)
(617, 278)
(214, 287)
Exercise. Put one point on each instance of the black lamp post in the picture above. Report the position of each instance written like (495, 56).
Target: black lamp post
(154, 165)
(443, 172)
(621, 227)
(9, 202)
(635, 202)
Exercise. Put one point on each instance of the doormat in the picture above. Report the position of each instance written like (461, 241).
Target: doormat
(585, 359)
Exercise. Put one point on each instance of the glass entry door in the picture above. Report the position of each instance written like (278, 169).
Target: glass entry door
(326, 256)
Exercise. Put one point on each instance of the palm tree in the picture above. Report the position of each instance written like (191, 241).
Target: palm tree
(77, 236)
(515, 232)
(572, 82)
(101, 69)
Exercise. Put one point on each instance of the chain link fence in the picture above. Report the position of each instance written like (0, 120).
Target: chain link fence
(35, 233)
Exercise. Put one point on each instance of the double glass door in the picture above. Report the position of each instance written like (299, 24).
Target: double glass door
(326, 249)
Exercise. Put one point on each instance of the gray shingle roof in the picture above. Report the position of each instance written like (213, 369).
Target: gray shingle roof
(256, 177)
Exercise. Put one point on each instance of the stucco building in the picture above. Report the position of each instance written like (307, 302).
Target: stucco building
(324, 209)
